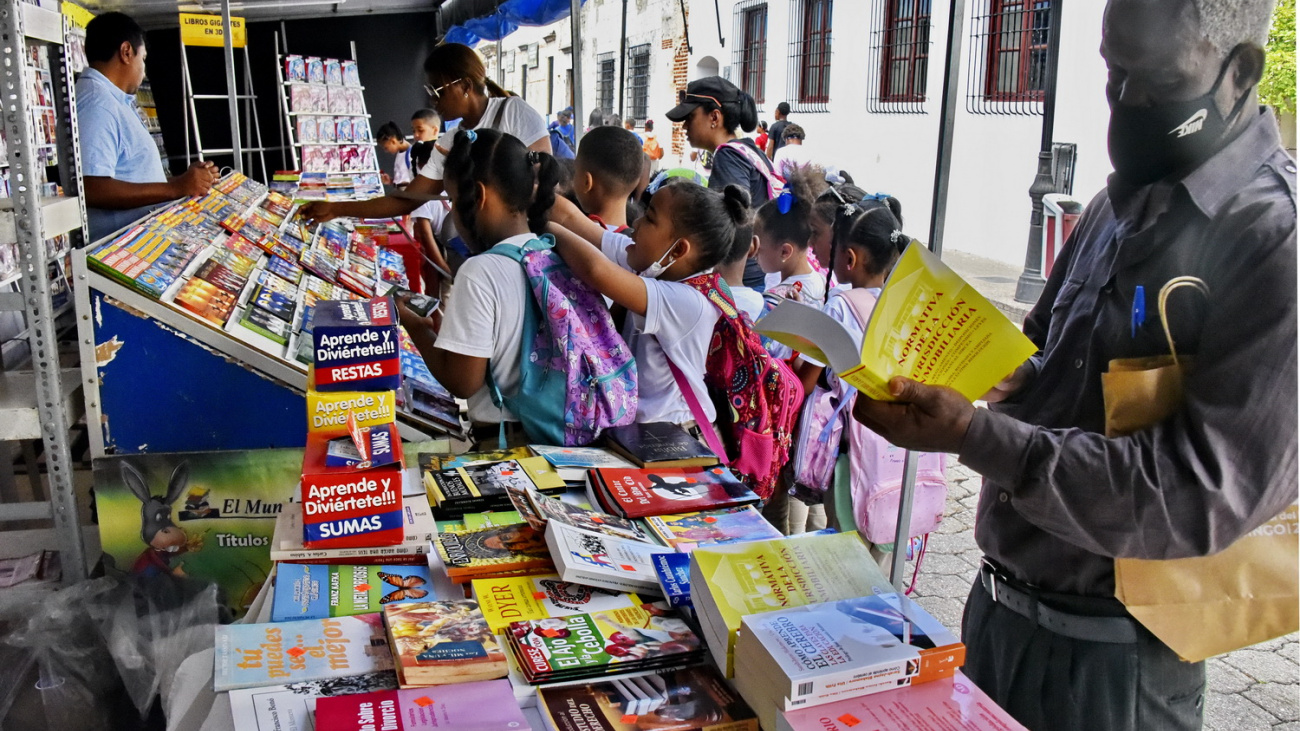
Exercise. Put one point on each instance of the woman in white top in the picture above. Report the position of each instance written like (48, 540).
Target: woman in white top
(458, 88)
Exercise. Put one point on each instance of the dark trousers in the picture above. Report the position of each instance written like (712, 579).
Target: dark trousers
(1050, 682)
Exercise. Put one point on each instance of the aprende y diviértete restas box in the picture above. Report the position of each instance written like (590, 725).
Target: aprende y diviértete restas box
(356, 346)
(345, 507)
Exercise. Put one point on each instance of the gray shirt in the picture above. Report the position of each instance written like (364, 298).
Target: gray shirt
(1060, 501)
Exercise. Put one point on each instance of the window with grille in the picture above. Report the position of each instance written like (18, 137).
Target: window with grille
(638, 81)
(900, 54)
(1008, 57)
(810, 55)
(749, 47)
(605, 82)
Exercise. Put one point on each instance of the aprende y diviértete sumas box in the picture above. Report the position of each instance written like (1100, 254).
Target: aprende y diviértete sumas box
(345, 506)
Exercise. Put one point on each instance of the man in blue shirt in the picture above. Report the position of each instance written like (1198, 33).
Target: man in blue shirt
(123, 172)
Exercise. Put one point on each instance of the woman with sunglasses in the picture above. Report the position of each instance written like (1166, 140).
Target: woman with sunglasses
(711, 110)
(458, 88)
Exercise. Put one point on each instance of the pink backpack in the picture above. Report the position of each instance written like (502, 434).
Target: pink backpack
(876, 476)
(775, 183)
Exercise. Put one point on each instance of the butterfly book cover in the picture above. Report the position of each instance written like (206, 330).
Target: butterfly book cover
(521, 598)
(314, 591)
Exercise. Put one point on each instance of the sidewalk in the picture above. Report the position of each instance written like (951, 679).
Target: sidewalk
(1257, 688)
(994, 279)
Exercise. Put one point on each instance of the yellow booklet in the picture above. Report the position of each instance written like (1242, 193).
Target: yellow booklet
(929, 325)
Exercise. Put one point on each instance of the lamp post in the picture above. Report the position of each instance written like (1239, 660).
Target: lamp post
(1031, 282)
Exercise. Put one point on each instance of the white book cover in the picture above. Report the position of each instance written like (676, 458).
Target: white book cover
(600, 560)
(292, 707)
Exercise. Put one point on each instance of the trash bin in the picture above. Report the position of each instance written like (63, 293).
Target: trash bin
(1060, 214)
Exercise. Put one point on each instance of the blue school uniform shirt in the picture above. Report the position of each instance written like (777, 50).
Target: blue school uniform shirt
(114, 144)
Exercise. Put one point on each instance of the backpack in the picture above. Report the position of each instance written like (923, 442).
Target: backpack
(652, 149)
(821, 423)
(876, 477)
(759, 393)
(577, 376)
(775, 183)
(560, 146)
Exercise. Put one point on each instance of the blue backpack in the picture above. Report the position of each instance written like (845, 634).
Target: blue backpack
(577, 375)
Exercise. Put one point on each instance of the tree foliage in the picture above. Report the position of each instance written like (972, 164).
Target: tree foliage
(1278, 87)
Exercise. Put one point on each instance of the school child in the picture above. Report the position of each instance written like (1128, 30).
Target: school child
(425, 127)
(391, 140)
(500, 192)
(606, 172)
(867, 243)
(686, 231)
(784, 229)
(431, 224)
(732, 269)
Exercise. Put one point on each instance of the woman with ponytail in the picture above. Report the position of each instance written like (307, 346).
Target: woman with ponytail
(458, 88)
(501, 192)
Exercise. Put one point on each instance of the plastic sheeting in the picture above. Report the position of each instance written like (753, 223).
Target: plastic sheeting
(509, 16)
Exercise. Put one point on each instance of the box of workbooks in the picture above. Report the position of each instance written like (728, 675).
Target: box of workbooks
(356, 346)
(350, 506)
(327, 412)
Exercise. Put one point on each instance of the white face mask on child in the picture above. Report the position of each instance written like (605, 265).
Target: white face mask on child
(659, 267)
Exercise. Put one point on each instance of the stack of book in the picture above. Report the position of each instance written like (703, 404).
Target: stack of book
(659, 446)
(731, 581)
(444, 642)
(611, 642)
(418, 526)
(688, 531)
(475, 482)
(819, 653)
(602, 560)
(572, 463)
(509, 550)
(645, 492)
(950, 703)
(487, 705)
(689, 699)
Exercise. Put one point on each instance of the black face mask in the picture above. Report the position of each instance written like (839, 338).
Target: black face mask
(1152, 142)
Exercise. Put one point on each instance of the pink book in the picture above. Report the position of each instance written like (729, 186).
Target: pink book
(948, 703)
(488, 705)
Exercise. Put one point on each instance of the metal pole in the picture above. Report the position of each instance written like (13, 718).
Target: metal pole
(947, 118)
(187, 108)
(901, 536)
(1031, 282)
(622, 66)
(575, 54)
(232, 85)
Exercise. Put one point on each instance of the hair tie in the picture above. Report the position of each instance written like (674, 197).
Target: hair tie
(895, 236)
(534, 157)
(471, 135)
(875, 197)
(785, 201)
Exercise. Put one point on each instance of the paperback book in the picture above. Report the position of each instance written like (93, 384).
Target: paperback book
(541, 509)
(487, 705)
(572, 463)
(478, 487)
(292, 706)
(712, 527)
(953, 702)
(252, 655)
(523, 598)
(641, 493)
(493, 551)
(315, 591)
(673, 570)
(687, 699)
(659, 445)
(444, 642)
(596, 559)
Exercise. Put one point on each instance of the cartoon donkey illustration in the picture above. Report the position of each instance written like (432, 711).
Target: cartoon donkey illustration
(164, 540)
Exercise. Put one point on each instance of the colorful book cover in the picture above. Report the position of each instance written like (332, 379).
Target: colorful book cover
(437, 463)
(953, 702)
(640, 493)
(487, 705)
(212, 517)
(491, 518)
(688, 699)
(523, 598)
(573, 462)
(315, 591)
(600, 643)
(674, 573)
(485, 485)
(493, 550)
(659, 444)
(438, 643)
(600, 560)
(292, 707)
(252, 655)
(710, 527)
(550, 508)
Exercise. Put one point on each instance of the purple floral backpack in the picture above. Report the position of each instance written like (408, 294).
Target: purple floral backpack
(577, 376)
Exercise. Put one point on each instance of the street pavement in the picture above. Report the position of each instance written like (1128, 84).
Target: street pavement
(1255, 688)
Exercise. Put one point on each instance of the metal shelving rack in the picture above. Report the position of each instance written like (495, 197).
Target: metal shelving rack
(40, 404)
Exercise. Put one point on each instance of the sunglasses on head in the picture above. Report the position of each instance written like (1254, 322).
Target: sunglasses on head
(684, 97)
(435, 93)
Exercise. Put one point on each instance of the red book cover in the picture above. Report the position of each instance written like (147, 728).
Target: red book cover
(641, 493)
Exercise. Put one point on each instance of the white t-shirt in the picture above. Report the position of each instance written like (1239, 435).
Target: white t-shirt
(749, 301)
(842, 312)
(678, 324)
(790, 157)
(812, 292)
(515, 118)
(402, 167)
(488, 299)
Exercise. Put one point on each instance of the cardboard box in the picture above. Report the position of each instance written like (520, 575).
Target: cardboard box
(327, 413)
(356, 346)
(347, 507)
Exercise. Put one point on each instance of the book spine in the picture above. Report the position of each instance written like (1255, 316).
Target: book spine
(335, 554)
(860, 676)
(857, 690)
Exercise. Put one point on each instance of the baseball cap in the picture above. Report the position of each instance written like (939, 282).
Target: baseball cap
(708, 90)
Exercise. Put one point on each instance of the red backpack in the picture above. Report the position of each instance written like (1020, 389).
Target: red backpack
(761, 395)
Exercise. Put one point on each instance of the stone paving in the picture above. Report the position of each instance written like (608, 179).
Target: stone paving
(1255, 688)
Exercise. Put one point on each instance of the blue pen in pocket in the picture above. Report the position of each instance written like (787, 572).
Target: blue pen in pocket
(1139, 309)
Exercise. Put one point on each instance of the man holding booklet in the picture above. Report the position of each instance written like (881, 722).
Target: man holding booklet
(1202, 190)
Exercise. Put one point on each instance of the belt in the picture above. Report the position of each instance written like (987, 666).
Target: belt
(1113, 630)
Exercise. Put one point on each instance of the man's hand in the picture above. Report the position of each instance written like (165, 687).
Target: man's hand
(318, 211)
(196, 181)
(1008, 386)
(925, 418)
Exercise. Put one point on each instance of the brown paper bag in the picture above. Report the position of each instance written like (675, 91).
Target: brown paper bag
(1209, 605)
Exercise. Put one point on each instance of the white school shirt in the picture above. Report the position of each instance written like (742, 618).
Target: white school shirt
(485, 319)
(678, 324)
(813, 292)
(790, 158)
(749, 301)
(515, 118)
(402, 167)
(839, 309)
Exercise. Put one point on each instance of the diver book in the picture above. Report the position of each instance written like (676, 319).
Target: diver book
(521, 598)
(253, 655)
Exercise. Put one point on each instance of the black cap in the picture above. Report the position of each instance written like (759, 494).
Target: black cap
(709, 90)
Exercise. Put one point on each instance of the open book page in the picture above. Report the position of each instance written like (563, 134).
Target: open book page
(929, 325)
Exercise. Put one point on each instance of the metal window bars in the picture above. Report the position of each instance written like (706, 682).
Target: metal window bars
(605, 82)
(809, 66)
(898, 63)
(638, 81)
(1007, 60)
(749, 47)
